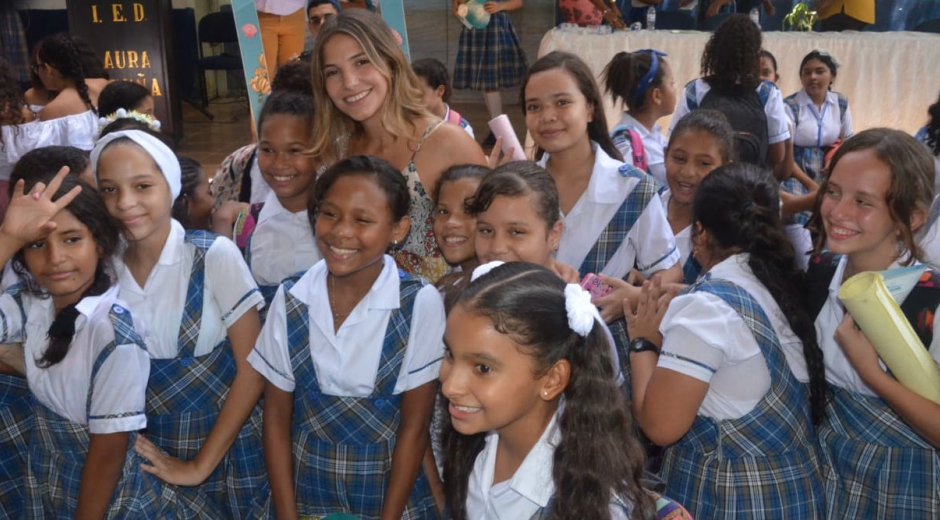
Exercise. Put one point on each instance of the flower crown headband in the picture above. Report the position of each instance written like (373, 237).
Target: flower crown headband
(121, 113)
(581, 312)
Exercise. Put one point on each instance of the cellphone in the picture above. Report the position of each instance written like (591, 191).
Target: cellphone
(594, 285)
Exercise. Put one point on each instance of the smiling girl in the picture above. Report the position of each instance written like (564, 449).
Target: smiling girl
(201, 304)
(370, 102)
(350, 372)
(869, 207)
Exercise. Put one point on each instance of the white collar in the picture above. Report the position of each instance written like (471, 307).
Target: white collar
(600, 190)
(384, 294)
(732, 264)
(836, 283)
(533, 480)
(273, 208)
(172, 252)
(803, 98)
(632, 122)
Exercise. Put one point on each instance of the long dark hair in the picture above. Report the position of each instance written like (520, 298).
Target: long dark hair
(598, 457)
(11, 97)
(731, 60)
(623, 74)
(89, 209)
(64, 55)
(912, 183)
(739, 206)
(190, 170)
(584, 78)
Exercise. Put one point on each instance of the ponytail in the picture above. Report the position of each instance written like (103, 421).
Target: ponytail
(62, 330)
(622, 78)
(62, 53)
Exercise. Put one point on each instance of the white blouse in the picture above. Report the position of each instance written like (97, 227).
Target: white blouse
(230, 292)
(117, 400)
(819, 126)
(777, 128)
(347, 361)
(282, 243)
(704, 338)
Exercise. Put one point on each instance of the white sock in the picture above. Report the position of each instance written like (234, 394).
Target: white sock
(494, 103)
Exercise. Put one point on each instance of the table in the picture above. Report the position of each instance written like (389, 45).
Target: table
(890, 78)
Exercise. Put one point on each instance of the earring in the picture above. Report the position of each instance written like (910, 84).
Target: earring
(394, 242)
(555, 247)
(545, 393)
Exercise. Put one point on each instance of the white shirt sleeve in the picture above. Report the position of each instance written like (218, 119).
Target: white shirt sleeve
(119, 393)
(777, 120)
(230, 282)
(846, 130)
(11, 318)
(682, 108)
(271, 355)
(425, 341)
(653, 240)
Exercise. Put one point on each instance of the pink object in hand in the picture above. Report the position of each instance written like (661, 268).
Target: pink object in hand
(250, 30)
(501, 127)
(581, 12)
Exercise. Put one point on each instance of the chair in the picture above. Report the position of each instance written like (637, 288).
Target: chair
(675, 20)
(712, 23)
(216, 28)
(929, 26)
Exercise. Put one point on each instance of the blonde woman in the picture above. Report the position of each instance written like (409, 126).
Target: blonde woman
(369, 102)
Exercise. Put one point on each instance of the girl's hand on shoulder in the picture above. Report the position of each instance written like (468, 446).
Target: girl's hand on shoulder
(858, 349)
(29, 215)
(650, 308)
(492, 7)
(167, 468)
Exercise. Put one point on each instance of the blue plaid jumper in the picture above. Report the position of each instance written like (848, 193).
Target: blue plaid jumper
(762, 465)
(17, 420)
(184, 397)
(16, 417)
(491, 58)
(342, 446)
(58, 448)
(874, 465)
(267, 291)
(691, 270)
(610, 240)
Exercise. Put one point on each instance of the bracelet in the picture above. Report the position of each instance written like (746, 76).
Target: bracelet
(642, 345)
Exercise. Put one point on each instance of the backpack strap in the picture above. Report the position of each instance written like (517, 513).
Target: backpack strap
(822, 268)
(637, 150)
(921, 304)
(843, 106)
(793, 105)
(244, 227)
(691, 99)
(764, 91)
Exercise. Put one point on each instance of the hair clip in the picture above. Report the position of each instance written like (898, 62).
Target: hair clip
(581, 312)
(121, 113)
(650, 74)
(482, 269)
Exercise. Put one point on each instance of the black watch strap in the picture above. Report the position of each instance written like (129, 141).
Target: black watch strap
(643, 345)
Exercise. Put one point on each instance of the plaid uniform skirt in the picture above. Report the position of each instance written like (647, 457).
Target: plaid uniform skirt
(16, 421)
(491, 58)
(58, 448)
(342, 446)
(874, 465)
(762, 465)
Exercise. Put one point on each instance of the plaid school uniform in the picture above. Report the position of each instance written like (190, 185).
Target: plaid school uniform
(491, 58)
(244, 230)
(58, 448)
(16, 418)
(691, 270)
(610, 240)
(342, 446)
(184, 397)
(761, 465)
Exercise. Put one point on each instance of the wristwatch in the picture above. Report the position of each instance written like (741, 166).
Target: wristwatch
(642, 345)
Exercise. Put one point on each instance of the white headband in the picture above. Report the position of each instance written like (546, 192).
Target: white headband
(166, 160)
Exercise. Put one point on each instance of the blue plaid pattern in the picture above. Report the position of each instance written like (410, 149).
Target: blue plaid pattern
(184, 397)
(491, 58)
(17, 420)
(342, 446)
(666, 508)
(58, 448)
(267, 291)
(874, 465)
(810, 158)
(691, 270)
(622, 222)
(762, 465)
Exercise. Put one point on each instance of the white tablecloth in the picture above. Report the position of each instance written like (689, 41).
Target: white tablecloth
(890, 78)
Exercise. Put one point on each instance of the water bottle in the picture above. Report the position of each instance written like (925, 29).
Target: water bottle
(651, 18)
(755, 16)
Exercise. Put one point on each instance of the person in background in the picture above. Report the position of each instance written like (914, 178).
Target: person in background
(127, 95)
(282, 29)
(845, 15)
(435, 82)
(318, 12)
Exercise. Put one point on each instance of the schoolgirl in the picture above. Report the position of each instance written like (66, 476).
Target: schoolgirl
(130, 96)
(531, 410)
(702, 141)
(454, 228)
(435, 83)
(878, 436)
(731, 73)
(642, 81)
(350, 372)
(275, 234)
(369, 102)
(86, 365)
(193, 208)
(200, 303)
(61, 68)
(720, 372)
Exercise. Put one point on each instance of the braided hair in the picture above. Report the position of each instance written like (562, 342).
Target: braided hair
(61, 52)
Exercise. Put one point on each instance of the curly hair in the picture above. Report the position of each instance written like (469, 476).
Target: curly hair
(404, 102)
(623, 74)
(912, 183)
(933, 128)
(731, 60)
(598, 457)
(738, 205)
(11, 97)
(63, 53)
(584, 79)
